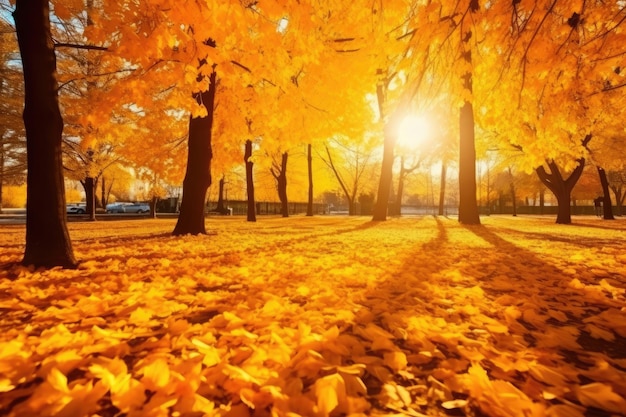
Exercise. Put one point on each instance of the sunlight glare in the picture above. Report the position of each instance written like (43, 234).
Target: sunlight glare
(413, 132)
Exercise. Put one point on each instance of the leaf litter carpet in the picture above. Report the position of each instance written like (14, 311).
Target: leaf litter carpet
(322, 316)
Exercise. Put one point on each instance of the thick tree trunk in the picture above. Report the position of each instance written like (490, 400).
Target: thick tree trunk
(468, 207)
(47, 239)
(198, 175)
(250, 182)
(386, 173)
(442, 189)
(607, 206)
(561, 188)
(309, 207)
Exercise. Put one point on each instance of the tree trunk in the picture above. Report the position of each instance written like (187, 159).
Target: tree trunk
(386, 171)
(617, 191)
(90, 197)
(153, 206)
(607, 206)
(250, 181)
(280, 174)
(103, 199)
(561, 188)
(351, 206)
(282, 186)
(350, 198)
(513, 198)
(397, 209)
(47, 239)
(442, 189)
(1, 169)
(198, 175)
(468, 207)
(398, 203)
(309, 207)
(220, 197)
(542, 201)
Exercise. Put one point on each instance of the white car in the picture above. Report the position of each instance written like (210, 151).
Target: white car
(76, 208)
(128, 208)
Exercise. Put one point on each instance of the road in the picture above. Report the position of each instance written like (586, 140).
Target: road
(18, 216)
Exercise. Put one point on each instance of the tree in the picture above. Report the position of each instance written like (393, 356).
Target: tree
(468, 208)
(553, 53)
(198, 175)
(221, 208)
(47, 239)
(442, 189)
(606, 202)
(279, 172)
(562, 187)
(12, 137)
(115, 184)
(351, 167)
(404, 172)
(309, 159)
(617, 180)
(251, 213)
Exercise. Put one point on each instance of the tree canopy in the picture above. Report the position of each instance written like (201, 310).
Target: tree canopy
(543, 78)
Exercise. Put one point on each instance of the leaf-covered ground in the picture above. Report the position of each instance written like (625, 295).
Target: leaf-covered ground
(319, 316)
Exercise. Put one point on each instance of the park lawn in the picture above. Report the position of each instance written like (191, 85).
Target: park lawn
(319, 316)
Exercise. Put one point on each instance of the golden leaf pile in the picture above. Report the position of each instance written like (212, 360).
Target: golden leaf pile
(323, 316)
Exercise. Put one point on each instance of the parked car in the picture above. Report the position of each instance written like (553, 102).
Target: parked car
(128, 208)
(137, 208)
(115, 208)
(76, 208)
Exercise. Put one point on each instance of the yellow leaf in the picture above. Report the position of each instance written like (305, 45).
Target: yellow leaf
(330, 391)
(211, 354)
(57, 380)
(576, 284)
(140, 315)
(558, 315)
(598, 333)
(449, 405)
(156, 374)
(395, 360)
(564, 410)
(601, 396)
(5, 385)
(547, 375)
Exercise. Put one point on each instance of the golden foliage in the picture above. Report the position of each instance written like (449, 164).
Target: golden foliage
(13, 196)
(318, 316)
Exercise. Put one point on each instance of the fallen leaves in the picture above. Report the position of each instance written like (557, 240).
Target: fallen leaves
(415, 316)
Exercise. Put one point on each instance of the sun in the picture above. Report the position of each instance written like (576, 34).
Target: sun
(413, 132)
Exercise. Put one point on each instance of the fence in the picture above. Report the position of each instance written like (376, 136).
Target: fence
(240, 207)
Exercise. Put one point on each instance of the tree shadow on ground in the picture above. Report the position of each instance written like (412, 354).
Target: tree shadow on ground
(493, 303)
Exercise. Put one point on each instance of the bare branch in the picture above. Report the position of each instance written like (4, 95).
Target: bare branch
(79, 46)
(241, 66)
